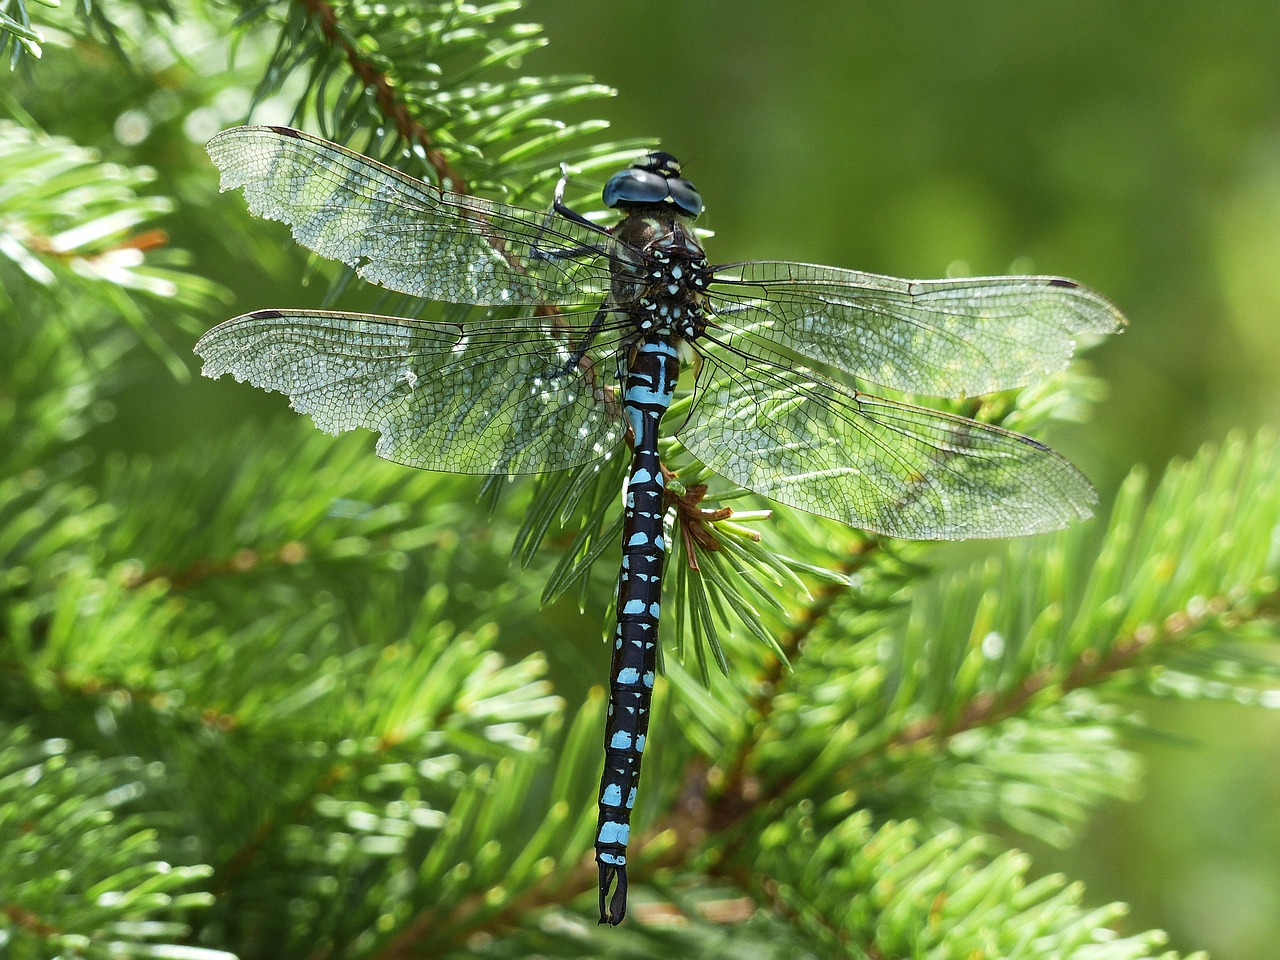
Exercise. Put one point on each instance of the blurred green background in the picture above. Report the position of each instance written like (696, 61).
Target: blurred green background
(1134, 147)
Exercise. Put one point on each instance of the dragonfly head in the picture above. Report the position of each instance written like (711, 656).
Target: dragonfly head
(653, 181)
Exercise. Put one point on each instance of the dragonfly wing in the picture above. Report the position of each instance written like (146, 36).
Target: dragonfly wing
(491, 398)
(876, 464)
(408, 235)
(943, 338)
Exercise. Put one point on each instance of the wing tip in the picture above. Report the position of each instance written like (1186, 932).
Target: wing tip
(1103, 316)
(212, 347)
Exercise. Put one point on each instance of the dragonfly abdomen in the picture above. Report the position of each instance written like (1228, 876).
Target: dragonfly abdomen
(651, 381)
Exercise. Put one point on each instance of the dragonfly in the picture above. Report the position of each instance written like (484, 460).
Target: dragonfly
(585, 360)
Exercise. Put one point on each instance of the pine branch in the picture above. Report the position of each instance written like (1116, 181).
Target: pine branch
(117, 26)
(80, 872)
(889, 892)
(18, 29)
(75, 227)
(918, 716)
(380, 85)
(436, 83)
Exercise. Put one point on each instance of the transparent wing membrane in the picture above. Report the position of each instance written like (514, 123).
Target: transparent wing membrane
(943, 338)
(873, 463)
(542, 393)
(408, 235)
(494, 397)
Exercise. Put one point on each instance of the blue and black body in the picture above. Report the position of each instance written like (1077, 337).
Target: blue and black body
(665, 298)
(593, 327)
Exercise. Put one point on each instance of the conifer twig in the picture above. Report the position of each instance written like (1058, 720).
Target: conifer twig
(392, 106)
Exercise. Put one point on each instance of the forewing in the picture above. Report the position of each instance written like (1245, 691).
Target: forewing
(873, 463)
(496, 398)
(943, 338)
(408, 235)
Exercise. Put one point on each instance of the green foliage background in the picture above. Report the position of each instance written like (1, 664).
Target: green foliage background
(1133, 147)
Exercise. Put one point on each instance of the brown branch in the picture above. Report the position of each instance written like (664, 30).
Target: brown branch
(151, 239)
(95, 687)
(384, 94)
(768, 681)
(738, 794)
(1089, 669)
(432, 926)
(24, 919)
(243, 560)
(693, 521)
(238, 862)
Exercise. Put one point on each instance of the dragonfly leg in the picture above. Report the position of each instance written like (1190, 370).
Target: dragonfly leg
(558, 206)
(563, 208)
(580, 351)
(563, 253)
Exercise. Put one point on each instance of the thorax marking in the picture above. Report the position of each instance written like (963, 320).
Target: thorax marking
(665, 293)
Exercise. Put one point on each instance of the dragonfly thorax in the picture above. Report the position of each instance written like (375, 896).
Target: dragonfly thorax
(664, 290)
(683, 320)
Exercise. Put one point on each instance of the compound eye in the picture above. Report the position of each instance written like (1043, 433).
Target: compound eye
(634, 186)
(686, 197)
